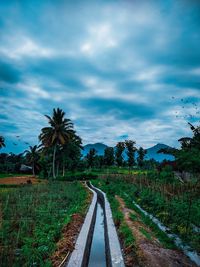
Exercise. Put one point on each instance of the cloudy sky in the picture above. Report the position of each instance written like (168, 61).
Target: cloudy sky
(119, 69)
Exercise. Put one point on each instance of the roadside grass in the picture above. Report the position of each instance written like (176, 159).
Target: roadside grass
(126, 191)
(117, 170)
(162, 237)
(32, 218)
(123, 229)
(145, 233)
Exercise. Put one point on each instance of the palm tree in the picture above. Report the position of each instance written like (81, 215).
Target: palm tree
(32, 156)
(2, 142)
(59, 132)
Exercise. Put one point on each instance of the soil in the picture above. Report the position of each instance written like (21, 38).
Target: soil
(70, 233)
(66, 244)
(17, 180)
(150, 252)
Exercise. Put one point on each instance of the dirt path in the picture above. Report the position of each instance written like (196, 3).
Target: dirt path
(66, 244)
(70, 232)
(29, 179)
(150, 251)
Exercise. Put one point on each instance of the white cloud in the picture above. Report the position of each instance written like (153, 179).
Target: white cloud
(100, 37)
(23, 46)
(33, 90)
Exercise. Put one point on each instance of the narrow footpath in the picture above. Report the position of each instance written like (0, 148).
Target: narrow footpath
(150, 251)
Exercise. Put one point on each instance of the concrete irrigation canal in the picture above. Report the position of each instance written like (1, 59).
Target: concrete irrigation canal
(97, 244)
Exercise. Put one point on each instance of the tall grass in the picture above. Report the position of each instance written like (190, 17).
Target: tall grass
(181, 211)
(32, 220)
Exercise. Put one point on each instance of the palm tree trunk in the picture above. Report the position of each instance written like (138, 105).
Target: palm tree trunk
(57, 171)
(63, 169)
(54, 157)
(33, 169)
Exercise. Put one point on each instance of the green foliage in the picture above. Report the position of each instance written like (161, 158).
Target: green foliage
(11, 163)
(127, 235)
(118, 217)
(179, 212)
(59, 133)
(118, 153)
(109, 157)
(145, 233)
(32, 220)
(130, 151)
(32, 157)
(72, 176)
(188, 157)
(141, 155)
(90, 157)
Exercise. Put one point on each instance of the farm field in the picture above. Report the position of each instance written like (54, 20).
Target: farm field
(7, 175)
(19, 180)
(33, 218)
(175, 205)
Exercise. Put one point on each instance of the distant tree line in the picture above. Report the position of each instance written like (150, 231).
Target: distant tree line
(187, 158)
(59, 150)
(116, 156)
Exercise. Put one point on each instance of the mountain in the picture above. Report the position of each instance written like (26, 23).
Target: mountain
(99, 147)
(151, 152)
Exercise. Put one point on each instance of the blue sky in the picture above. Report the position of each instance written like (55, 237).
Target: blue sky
(119, 69)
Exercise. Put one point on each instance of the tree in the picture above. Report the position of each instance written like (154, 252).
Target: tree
(91, 157)
(99, 161)
(59, 132)
(71, 154)
(109, 157)
(141, 154)
(130, 146)
(2, 142)
(32, 157)
(118, 153)
(188, 157)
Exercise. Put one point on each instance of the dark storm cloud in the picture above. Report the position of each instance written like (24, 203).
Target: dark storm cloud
(8, 73)
(118, 68)
(120, 109)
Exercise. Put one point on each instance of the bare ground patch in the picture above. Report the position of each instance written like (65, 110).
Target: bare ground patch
(66, 244)
(70, 234)
(17, 180)
(150, 251)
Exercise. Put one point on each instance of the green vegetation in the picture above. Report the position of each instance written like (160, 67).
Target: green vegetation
(59, 133)
(130, 146)
(118, 154)
(32, 157)
(174, 204)
(5, 175)
(145, 233)
(32, 220)
(124, 231)
(33, 216)
(188, 156)
(140, 159)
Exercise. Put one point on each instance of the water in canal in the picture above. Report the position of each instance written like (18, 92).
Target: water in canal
(97, 256)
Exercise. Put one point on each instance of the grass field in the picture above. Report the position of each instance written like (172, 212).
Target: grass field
(32, 218)
(178, 211)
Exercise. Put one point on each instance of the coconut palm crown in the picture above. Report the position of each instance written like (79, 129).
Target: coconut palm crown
(32, 156)
(2, 142)
(59, 132)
